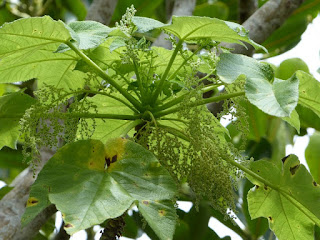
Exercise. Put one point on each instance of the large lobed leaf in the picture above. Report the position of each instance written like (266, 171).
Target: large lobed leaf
(12, 108)
(194, 27)
(278, 98)
(27, 47)
(89, 183)
(292, 204)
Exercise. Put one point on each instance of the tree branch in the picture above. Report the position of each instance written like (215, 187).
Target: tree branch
(265, 21)
(246, 9)
(101, 11)
(13, 204)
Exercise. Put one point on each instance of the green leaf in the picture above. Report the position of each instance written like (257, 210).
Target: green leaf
(309, 89)
(145, 24)
(130, 229)
(89, 34)
(102, 55)
(160, 62)
(312, 155)
(278, 98)
(28, 33)
(12, 108)
(289, 66)
(97, 182)
(161, 217)
(231, 66)
(4, 190)
(108, 128)
(216, 9)
(77, 7)
(257, 121)
(258, 226)
(27, 52)
(12, 159)
(293, 120)
(194, 27)
(308, 118)
(7, 88)
(290, 200)
(118, 42)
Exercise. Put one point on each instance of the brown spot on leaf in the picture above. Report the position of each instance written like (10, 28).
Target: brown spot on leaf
(265, 187)
(108, 161)
(32, 201)
(145, 202)
(270, 218)
(114, 158)
(284, 159)
(257, 186)
(314, 183)
(68, 225)
(294, 169)
(162, 213)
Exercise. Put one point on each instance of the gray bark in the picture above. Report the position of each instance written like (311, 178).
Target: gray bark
(101, 11)
(12, 205)
(265, 21)
(247, 8)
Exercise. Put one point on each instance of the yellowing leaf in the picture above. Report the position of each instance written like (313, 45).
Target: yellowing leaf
(75, 180)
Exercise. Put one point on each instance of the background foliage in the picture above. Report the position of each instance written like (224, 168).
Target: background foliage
(267, 136)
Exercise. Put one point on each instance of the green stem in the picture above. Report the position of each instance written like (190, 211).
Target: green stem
(207, 76)
(202, 102)
(111, 96)
(184, 62)
(97, 93)
(106, 77)
(126, 80)
(166, 72)
(86, 115)
(174, 119)
(211, 87)
(130, 126)
(175, 132)
(180, 99)
(138, 78)
(105, 115)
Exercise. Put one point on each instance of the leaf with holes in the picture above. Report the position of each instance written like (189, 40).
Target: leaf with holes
(90, 182)
(290, 201)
